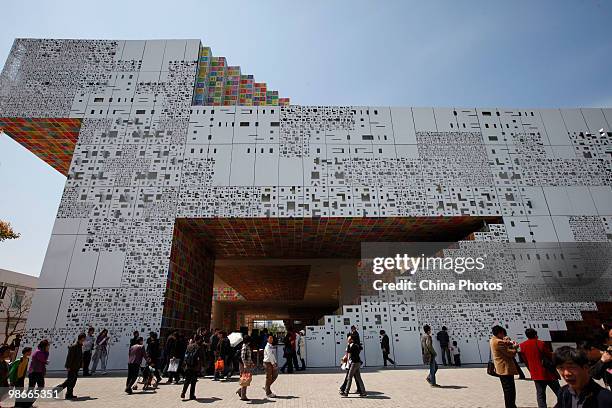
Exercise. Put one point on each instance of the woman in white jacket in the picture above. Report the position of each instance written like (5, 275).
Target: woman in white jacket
(271, 366)
(302, 349)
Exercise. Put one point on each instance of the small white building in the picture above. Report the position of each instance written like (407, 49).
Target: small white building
(16, 291)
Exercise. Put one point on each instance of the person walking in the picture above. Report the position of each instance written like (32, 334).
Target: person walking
(193, 360)
(580, 390)
(535, 352)
(38, 365)
(17, 374)
(354, 366)
(385, 347)
(224, 351)
(171, 355)
(429, 355)
(503, 351)
(301, 352)
(287, 353)
(136, 354)
(270, 365)
(444, 341)
(154, 353)
(181, 349)
(100, 352)
(213, 351)
(246, 369)
(345, 360)
(74, 362)
(88, 346)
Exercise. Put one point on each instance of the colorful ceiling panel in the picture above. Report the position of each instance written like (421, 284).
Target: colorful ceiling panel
(267, 282)
(336, 237)
(51, 139)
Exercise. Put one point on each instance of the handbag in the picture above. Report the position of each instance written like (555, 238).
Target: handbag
(173, 365)
(245, 379)
(491, 367)
(547, 363)
(219, 365)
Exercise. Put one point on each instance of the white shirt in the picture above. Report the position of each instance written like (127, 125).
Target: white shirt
(269, 354)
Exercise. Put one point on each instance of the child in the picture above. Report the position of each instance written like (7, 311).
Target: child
(17, 373)
(148, 375)
(456, 354)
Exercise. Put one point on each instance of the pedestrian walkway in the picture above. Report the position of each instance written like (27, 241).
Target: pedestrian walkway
(461, 387)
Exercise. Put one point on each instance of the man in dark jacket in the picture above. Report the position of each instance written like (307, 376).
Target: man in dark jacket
(194, 358)
(74, 362)
(442, 337)
(170, 352)
(154, 353)
(385, 347)
(134, 340)
(580, 390)
(224, 350)
(600, 360)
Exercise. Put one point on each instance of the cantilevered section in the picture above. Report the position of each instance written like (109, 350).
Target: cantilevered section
(51, 139)
(48, 87)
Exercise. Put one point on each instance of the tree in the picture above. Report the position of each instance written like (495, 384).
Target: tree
(16, 307)
(6, 231)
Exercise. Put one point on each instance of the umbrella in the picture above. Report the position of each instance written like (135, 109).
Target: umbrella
(235, 338)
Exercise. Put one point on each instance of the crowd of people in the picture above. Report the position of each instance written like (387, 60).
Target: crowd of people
(578, 367)
(185, 358)
(182, 359)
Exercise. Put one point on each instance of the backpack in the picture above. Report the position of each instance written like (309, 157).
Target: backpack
(191, 357)
(12, 374)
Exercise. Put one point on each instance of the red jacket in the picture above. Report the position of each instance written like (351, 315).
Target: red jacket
(532, 350)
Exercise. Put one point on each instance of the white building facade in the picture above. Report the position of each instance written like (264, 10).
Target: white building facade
(147, 156)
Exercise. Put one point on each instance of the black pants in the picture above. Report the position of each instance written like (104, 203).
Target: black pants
(507, 382)
(36, 380)
(133, 370)
(457, 360)
(541, 390)
(446, 355)
(86, 361)
(70, 382)
(386, 358)
(343, 386)
(191, 377)
(289, 363)
(19, 385)
(157, 374)
(294, 358)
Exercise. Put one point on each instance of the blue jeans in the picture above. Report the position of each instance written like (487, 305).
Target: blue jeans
(433, 367)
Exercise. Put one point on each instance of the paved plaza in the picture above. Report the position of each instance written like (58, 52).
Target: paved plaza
(462, 387)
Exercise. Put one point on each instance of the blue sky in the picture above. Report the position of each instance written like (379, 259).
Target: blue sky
(429, 53)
